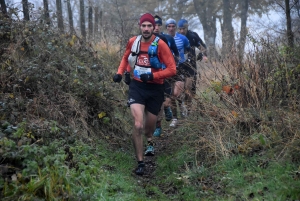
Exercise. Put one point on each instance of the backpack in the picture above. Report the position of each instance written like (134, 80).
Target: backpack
(152, 52)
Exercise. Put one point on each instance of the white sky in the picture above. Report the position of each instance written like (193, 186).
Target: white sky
(271, 22)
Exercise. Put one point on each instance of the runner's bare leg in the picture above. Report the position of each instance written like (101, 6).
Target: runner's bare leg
(137, 111)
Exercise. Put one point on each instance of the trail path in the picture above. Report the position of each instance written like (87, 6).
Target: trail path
(163, 145)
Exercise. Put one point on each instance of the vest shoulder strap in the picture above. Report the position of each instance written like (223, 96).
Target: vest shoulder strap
(155, 41)
(152, 51)
(135, 48)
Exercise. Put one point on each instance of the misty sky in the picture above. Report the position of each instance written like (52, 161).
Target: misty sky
(257, 26)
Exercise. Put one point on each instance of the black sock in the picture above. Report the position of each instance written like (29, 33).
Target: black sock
(141, 163)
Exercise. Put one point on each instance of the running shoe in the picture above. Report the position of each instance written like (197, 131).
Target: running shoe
(173, 123)
(157, 132)
(168, 113)
(140, 169)
(149, 151)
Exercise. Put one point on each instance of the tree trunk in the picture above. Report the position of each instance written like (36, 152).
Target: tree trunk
(46, 12)
(96, 23)
(227, 29)
(100, 24)
(207, 16)
(3, 7)
(25, 10)
(82, 21)
(243, 32)
(90, 22)
(70, 15)
(289, 32)
(60, 21)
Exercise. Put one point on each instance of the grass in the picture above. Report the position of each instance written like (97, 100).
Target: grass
(96, 172)
(238, 177)
(246, 178)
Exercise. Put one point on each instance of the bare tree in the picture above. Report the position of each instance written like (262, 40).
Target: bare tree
(207, 14)
(287, 6)
(70, 15)
(46, 11)
(25, 10)
(289, 32)
(243, 9)
(96, 21)
(227, 29)
(297, 7)
(3, 7)
(60, 21)
(90, 21)
(174, 8)
(243, 32)
(82, 20)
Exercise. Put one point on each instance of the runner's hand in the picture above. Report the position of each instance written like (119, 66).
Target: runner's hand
(146, 77)
(199, 56)
(117, 78)
(127, 78)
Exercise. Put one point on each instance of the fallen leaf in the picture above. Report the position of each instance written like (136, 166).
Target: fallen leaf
(101, 115)
(234, 113)
(236, 87)
(228, 89)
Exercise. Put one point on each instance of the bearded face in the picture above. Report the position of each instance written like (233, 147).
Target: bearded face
(147, 30)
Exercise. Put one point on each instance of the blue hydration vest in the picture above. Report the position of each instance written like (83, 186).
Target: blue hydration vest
(152, 52)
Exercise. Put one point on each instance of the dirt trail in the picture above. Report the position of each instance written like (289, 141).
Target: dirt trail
(161, 145)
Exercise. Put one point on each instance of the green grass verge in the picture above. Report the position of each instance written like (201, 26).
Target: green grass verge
(255, 177)
(237, 178)
(94, 172)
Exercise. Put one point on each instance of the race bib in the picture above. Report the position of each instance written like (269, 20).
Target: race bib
(138, 70)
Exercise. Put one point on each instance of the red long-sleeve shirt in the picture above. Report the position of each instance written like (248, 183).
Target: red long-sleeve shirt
(164, 55)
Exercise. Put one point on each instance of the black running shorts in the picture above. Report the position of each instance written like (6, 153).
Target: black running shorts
(150, 95)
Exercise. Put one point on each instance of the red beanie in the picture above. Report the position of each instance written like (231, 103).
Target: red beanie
(147, 17)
